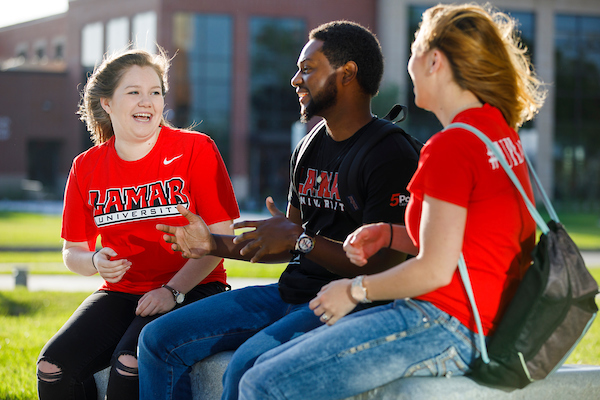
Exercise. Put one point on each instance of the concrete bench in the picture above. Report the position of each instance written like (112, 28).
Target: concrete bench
(569, 382)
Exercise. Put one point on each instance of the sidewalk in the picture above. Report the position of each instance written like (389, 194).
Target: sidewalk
(76, 283)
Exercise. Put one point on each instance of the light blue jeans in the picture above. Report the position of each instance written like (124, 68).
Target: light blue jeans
(252, 320)
(363, 351)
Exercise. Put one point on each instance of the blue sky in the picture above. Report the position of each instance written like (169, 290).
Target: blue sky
(17, 11)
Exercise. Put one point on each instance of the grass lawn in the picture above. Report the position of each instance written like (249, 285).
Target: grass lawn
(25, 230)
(29, 319)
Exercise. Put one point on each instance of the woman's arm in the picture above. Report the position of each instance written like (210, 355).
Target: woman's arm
(441, 238)
(79, 259)
(367, 240)
(161, 300)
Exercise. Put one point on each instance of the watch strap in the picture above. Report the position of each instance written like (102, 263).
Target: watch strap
(357, 285)
(174, 292)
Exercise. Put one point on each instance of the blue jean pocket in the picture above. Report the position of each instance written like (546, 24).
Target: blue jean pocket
(446, 363)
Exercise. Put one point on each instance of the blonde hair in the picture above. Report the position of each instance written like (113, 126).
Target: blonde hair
(486, 57)
(105, 79)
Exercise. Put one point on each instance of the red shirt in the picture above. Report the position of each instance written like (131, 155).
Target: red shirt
(456, 166)
(122, 201)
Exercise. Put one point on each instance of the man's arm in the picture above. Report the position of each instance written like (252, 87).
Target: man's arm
(281, 238)
(270, 241)
(195, 239)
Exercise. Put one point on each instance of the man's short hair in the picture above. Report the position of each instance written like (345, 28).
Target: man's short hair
(345, 41)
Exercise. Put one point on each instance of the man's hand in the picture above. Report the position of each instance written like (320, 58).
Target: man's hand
(193, 240)
(275, 235)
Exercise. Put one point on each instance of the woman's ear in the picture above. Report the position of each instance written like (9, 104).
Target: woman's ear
(435, 61)
(105, 103)
(350, 70)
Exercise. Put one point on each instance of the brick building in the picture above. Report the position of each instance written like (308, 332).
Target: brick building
(231, 72)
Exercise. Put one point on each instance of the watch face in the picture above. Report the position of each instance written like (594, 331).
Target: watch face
(180, 298)
(357, 293)
(305, 244)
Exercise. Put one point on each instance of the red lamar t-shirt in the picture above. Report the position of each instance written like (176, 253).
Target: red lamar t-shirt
(457, 167)
(124, 200)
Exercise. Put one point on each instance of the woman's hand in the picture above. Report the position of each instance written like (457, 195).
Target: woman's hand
(366, 241)
(333, 301)
(110, 271)
(157, 301)
(193, 240)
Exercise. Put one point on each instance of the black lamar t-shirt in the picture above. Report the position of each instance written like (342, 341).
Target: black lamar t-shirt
(387, 169)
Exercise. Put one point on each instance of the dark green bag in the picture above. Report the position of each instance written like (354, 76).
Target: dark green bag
(553, 307)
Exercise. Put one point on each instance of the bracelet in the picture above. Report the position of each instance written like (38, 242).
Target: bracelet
(391, 235)
(94, 264)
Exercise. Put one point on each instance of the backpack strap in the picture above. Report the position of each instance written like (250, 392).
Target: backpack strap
(349, 173)
(395, 111)
(462, 266)
(307, 143)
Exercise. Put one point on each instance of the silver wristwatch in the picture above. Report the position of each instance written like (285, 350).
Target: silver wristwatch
(358, 291)
(304, 244)
(177, 295)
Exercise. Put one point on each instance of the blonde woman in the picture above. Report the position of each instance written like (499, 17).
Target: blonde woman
(466, 66)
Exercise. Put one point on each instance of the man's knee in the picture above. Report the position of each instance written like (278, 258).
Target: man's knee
(150, 338)
(126, 365)
(49, 372)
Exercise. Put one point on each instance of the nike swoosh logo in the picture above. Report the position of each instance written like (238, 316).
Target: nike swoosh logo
(167, 161)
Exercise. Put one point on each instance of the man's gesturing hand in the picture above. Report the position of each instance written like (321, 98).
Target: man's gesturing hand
(193, 240)
(275, 235)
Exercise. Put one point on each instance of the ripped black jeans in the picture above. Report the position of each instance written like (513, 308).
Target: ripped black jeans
(103, 328)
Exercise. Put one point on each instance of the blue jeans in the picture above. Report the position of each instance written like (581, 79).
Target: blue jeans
(252, 320)
(363, 351)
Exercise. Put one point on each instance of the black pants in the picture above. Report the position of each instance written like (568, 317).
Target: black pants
(103, 328)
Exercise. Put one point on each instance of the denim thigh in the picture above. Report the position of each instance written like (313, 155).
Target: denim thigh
(170, 345)
(298, 320)
(363, 351)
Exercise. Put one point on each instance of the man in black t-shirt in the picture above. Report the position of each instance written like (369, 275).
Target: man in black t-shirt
(339, 71)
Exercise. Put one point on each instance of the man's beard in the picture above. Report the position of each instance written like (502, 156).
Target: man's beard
(326, 98)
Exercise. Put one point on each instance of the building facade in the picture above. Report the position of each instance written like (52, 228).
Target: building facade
(230, 78)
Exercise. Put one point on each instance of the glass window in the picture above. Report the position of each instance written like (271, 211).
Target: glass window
(92, 44)
(58, 44)
(275, 44)
(22, 50)
(144, 31)
(423, 124)
(117, 34)
(201, 74)
(577, 143)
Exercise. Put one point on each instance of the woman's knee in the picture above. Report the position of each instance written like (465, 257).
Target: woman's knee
(126, 365)
(48, 371)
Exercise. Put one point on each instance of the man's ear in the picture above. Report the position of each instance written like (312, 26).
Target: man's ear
(105, 103)
(350, 70)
